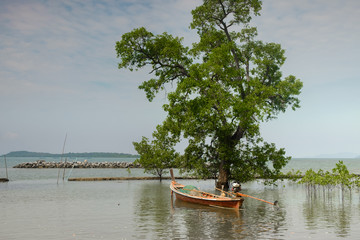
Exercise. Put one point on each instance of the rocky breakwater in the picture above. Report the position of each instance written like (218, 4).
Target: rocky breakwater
(77, 164)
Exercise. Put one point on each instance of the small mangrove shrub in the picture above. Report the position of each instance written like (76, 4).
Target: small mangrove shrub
(338, 177)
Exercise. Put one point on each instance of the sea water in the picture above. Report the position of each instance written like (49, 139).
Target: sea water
(35, 205)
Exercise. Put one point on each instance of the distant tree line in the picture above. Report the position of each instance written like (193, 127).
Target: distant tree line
(71, 155)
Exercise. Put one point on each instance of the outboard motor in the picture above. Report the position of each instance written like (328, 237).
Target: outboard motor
(236, 187)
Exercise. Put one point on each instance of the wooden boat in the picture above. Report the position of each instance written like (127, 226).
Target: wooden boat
(193, 195)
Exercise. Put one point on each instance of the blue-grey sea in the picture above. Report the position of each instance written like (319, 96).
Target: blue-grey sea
(35, 205)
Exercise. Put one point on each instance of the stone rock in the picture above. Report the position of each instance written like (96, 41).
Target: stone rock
(77, 164)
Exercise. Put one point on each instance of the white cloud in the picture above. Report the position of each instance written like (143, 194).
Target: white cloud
(58, 70)
(320, 37)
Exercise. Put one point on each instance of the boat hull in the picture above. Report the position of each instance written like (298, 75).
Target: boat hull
(223, 202)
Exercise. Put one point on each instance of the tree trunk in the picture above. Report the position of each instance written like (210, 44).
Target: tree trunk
(223, 178)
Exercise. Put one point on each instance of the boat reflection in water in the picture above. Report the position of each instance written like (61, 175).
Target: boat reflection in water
(220, 212)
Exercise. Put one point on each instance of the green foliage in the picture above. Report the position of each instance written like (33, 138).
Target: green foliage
(223, 88)
(293, 175)
(340, 176)
(157, 155)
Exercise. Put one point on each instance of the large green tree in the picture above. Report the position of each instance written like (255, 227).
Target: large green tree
(223, 87)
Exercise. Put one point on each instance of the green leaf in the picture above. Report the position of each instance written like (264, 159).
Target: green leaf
(218, 93)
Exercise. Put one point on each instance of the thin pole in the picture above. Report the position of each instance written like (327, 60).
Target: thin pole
(245, 195)
(71, 171)
(64, 168)
(7, 176)
(61, 158)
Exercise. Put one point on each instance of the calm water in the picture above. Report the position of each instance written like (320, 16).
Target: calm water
(34, 206)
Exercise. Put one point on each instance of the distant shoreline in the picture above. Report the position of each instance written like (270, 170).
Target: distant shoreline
(77, 164)
(70, 155)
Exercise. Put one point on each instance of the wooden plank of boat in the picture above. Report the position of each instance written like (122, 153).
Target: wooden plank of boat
(205, 198)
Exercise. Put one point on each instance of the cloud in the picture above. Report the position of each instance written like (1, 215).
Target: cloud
(10, 136)
(320, 37)
(58, 67)
(61, 41)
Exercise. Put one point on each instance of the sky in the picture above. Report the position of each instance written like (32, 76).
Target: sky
(59, 74)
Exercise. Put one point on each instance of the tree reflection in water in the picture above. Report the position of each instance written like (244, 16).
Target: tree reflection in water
(329, 210)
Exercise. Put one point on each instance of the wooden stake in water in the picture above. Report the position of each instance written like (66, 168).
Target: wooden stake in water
(64, 169)
(61, 159)
(7, 176)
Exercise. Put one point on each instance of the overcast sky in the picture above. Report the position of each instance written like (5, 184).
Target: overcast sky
(59, 75)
